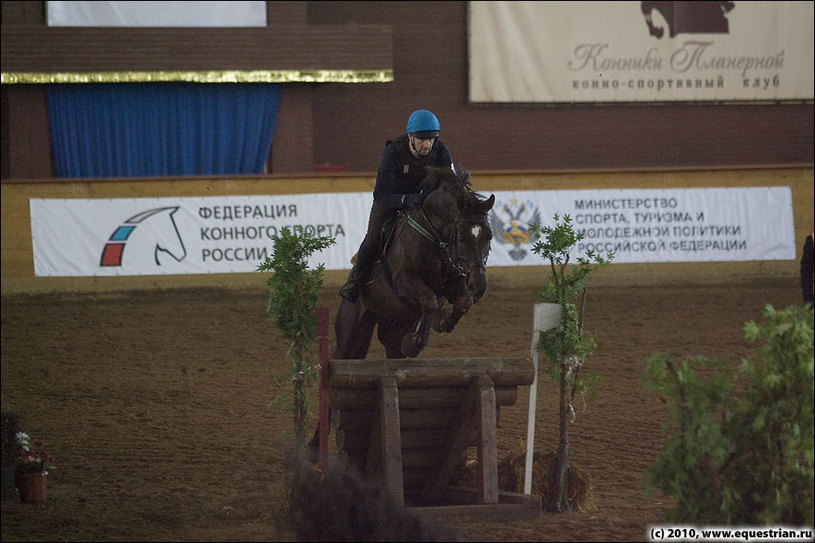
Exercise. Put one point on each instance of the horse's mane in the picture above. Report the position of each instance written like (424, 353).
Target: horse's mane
(458, 184)
(435, 176)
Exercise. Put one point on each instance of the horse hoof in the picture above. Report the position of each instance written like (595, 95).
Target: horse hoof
(409, 348)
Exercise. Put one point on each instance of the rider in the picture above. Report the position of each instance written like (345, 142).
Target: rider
(400, 172)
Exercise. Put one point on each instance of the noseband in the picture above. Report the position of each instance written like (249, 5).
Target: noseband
(444, 246)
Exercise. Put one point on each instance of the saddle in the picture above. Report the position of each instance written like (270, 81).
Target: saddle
(386, 237)
(386, 234)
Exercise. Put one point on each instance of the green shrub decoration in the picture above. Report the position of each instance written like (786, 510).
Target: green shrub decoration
(739, 445)
(293, 291)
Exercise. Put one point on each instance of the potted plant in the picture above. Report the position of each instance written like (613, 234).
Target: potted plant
(31, 467)
(564, 342)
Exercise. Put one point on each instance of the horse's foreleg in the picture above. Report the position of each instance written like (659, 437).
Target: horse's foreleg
(412, 340)
(413, 288)
(433, 316)
(460, 307)
(403, 341)
(421, 335)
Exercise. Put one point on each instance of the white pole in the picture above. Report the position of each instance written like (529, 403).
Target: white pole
(545, 317)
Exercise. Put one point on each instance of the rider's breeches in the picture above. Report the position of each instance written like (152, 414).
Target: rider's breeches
(371, 245)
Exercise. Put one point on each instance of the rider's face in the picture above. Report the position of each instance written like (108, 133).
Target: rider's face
(422, 146)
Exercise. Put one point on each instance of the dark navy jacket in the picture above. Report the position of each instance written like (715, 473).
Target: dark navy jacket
(401, 173)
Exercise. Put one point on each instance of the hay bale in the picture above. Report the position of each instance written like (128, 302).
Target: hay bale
(511, 469)
(543, 478)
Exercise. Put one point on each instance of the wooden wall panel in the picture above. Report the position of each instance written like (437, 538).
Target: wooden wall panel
(289, 47)
(430, 71)
(293, 142)
(22, 12)
(26, 141)
(345, 125)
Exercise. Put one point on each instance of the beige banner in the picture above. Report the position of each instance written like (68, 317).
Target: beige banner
(526, 52)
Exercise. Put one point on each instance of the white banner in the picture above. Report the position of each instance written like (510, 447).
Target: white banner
(651, 225)
(640, 51)
(232, 234)
(159, 236)
(164, 14)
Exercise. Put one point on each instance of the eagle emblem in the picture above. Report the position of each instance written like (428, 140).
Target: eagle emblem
(511, 223)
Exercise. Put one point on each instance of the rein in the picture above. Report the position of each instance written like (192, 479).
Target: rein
(444, 247)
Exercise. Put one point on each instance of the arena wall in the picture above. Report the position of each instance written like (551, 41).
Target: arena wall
(18, 267)
(344, 126)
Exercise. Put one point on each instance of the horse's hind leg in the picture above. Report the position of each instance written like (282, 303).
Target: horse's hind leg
(365, 333)
(353, 329)
(390, 336)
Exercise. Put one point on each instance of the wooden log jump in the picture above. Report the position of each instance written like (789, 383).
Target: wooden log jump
(410, 422)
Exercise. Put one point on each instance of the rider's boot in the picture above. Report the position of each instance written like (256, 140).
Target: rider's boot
(350, 290)
(359, 276)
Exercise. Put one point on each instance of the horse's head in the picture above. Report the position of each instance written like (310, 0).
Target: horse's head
(460, 216)
(473, 236)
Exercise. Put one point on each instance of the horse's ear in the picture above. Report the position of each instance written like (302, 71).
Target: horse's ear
(488, 203)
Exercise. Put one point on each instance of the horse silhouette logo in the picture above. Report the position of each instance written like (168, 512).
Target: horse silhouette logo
(159, 235)
(514, 228)
(687, 17)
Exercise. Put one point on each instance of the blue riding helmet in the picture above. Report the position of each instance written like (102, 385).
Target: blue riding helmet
(423, 124)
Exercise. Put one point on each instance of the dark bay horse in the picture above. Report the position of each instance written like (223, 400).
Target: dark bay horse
(436, 252)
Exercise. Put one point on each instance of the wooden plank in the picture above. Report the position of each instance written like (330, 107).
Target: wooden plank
(390, 442)
(358, 419)
(410, 423)
(352, 398)
(452, 450)
(410, 398)
(421, 458)
(412, 438)
(374, 461)
(430, 372)
(415, 479)
(422, 438)
(510, 505)
(488, 445)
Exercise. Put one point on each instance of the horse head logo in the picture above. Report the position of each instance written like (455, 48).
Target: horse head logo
(687, 17)
(158, 235)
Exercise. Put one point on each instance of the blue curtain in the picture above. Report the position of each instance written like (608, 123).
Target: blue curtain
(161, 129)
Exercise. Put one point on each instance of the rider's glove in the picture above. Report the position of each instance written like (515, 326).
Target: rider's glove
(412, 200)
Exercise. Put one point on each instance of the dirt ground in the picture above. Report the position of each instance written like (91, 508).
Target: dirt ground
(158, 406)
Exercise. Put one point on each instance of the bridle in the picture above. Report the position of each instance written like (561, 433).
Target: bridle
(444, 247)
